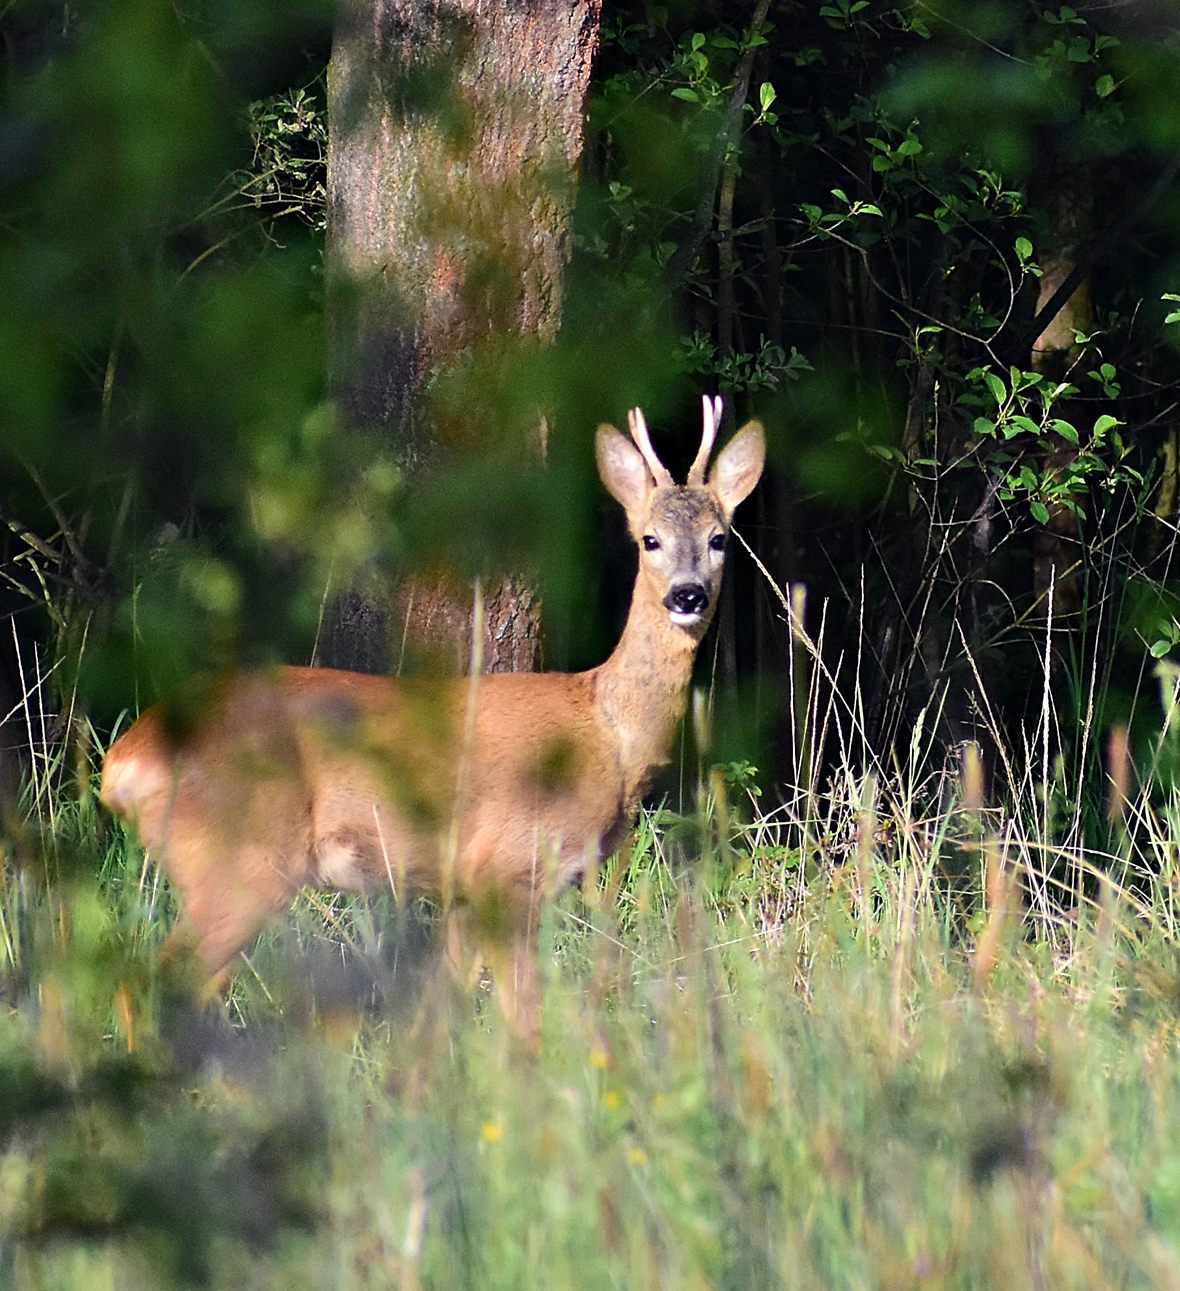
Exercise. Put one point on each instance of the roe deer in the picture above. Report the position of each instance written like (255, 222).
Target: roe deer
(485, 793)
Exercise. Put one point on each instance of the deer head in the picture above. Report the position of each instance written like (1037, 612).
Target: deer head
(681, 530)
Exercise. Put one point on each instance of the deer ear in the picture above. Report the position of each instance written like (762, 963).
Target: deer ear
(622, 469)
(739, 466)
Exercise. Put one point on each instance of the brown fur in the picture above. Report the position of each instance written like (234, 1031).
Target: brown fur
(488, 793)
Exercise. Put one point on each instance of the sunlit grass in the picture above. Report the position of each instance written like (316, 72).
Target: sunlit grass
(895, 1030)
(870, 1065)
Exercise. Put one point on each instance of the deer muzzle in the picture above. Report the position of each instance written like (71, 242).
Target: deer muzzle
(687, 602)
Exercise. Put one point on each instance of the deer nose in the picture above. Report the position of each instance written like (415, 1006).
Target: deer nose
(687, 598)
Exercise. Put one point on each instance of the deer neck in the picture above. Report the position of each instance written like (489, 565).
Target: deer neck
(641, 690)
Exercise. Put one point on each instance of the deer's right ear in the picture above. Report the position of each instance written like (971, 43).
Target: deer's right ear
(622, 469)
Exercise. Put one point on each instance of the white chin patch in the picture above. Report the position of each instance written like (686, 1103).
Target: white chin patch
(684, 620)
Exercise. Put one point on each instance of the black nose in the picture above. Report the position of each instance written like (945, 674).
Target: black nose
(688, 598)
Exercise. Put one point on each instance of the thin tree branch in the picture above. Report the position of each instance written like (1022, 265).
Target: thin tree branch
(689, 246)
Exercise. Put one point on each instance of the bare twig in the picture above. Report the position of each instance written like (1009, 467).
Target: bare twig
(689, 246)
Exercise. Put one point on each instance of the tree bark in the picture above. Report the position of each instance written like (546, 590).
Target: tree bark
(1068, 231)
(456, 130)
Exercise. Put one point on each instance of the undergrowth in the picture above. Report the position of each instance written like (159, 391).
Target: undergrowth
(902, 1029)
(886, 1056)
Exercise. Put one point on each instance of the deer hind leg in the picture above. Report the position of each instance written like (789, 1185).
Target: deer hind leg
(217, 921)
(230, 882)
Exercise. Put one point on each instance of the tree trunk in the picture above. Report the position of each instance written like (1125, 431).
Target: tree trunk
(456, 130)
(1068, 200)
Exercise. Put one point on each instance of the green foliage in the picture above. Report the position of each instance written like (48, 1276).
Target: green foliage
(881, 217)
(288, 170)
(162, 402)
(1046, 479)
(929, 176)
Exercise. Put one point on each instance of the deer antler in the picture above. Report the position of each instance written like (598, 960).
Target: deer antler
(712, 410)
(638, 428)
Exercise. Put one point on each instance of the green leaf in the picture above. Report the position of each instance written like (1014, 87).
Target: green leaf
(1104, 86)
(909, 148)
(1040, 512)
(1066, 431)
(998, 389)
(984, 426)
(766, 95)
(1024, 249)
(683, 92)
(1104, 423)
(1160, 648)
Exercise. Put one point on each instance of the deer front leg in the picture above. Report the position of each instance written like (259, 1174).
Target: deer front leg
(486, 936)
(516, 972)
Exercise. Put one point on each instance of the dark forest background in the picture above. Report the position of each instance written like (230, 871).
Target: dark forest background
(851, 219)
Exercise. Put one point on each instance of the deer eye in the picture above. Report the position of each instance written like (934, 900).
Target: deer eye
(650, 542)
(717, 542)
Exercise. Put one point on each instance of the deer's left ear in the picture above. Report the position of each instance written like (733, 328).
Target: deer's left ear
(739, 467)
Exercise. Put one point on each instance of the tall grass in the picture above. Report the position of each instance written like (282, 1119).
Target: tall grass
(901, 1030)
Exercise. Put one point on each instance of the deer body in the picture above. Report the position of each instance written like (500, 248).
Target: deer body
(486, 793)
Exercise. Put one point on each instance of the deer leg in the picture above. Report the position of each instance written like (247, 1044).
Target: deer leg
(508, 950)
(227, 891)
(516, 972)
(458, 949)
